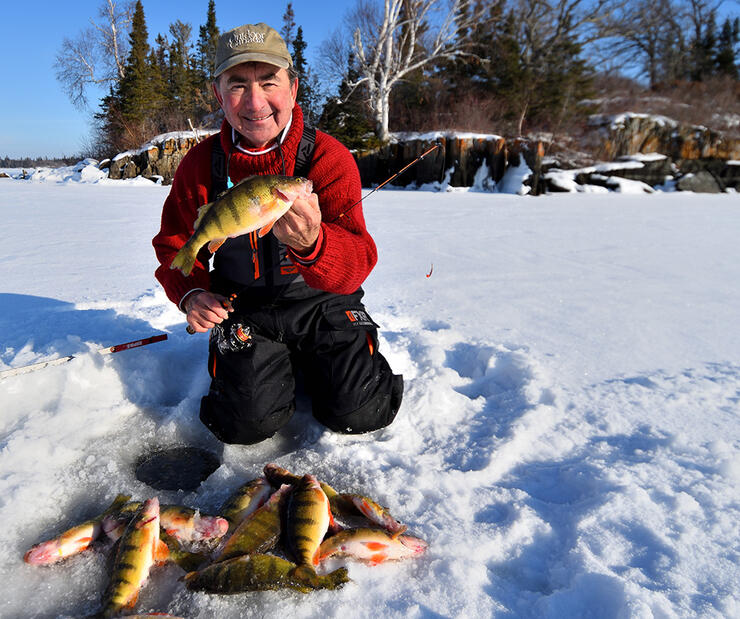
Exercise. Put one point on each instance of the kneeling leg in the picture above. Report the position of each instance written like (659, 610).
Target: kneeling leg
(353, 389)
(252, 393)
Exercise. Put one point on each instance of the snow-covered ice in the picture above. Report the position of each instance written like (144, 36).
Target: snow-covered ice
(568, 443)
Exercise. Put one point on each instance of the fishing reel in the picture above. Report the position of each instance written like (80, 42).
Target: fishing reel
(233, 337)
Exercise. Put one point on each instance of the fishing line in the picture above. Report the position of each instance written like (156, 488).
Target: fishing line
(388, 180)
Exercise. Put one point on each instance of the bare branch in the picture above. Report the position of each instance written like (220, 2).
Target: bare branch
(403, 37)
(97, 55)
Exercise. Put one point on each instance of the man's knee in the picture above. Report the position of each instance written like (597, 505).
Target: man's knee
(243, 421)
(377, 412)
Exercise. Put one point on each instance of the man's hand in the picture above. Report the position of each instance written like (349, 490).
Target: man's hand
(205, 310)
(299, 227)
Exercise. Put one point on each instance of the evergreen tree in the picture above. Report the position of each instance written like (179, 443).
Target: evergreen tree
(473, 72)
(414, 94)
(135, 93)
(673, 54)
(288, 25)
(182, 75)
(207, 43)
(205, 64)
(307, 96)
(159, 85)
(509, 77)
(108, 127)
(162, 56)
(124, 120)
(565, 80)
(704, 50)
(725, 58)
(345, 116)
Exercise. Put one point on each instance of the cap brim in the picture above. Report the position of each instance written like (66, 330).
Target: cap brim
(232, 61)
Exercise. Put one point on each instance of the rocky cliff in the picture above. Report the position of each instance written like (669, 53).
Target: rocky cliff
(628, 134)
(694, 158)
(157, 159)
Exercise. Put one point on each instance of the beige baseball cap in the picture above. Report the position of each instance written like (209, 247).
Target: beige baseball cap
(251, 43)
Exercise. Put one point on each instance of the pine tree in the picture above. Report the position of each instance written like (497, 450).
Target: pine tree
(704, 48)
(725, 58)
(108, 127)
(288, 25)
(162, 55)
(307, 96)
(205, 64)
(159, 86)
(414, 94)
(182, 77)
(135, 93)
(345, 116)
(509, 78)
(673, 56)
(475, 73)
(207, 43)
(124, 120)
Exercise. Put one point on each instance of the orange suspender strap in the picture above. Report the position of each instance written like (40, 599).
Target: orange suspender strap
(253, 239)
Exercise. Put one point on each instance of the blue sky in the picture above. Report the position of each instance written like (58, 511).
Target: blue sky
(37, 119)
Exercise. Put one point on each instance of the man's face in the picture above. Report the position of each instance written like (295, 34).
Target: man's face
(257, 100)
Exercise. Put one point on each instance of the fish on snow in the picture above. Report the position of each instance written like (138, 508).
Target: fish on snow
(73, 540)
(372, 545)
(138, 549)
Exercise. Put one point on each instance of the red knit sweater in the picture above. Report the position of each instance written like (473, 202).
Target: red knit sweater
(346, 253)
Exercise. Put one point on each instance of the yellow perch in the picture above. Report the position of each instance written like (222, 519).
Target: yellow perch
(259, 531)
(183, 523)
(308, 520)
(371, 545)
(137, 551)
(246, 500)
(254, 203)
(259, 572)
(277, 475)
(73, 540)
(350, 504)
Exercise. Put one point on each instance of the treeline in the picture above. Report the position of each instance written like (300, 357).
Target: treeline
(37, 162)
(163, 87)
(166, 86)
(532, 62)
(504, 66)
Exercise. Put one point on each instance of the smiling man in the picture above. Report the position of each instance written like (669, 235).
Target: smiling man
(298, 296)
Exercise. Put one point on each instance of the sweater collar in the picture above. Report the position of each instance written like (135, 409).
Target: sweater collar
(268, 161)
(280, 139)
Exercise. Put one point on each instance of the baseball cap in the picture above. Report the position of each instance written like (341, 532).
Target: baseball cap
(251, 43)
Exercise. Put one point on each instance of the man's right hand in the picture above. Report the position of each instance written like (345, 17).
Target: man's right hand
(205, 310)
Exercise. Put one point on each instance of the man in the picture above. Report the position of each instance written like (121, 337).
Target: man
(298, 295)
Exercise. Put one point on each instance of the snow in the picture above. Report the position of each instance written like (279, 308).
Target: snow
(568, 442)
(644, 157)
(406, 136)
(614, 121)
(565, 180)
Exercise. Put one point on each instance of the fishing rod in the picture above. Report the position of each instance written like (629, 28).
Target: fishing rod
(388, 180)
(228, 304)
(24, 369)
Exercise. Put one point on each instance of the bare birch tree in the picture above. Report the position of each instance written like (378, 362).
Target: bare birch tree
(97, 55)
(402, 36)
